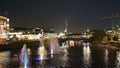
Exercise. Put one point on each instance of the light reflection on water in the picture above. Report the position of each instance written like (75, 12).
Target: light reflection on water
(106, 58)
(118, 60)
(72, 43)
(65, 58)
(86, 56)
(4, 56)
(78, 55)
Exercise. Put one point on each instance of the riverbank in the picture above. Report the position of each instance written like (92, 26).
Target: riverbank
(15, 45)
(108, 45)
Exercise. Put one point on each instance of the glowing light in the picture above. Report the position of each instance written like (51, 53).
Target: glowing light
(51, 55)
(61, 34)
(8, 19)
(65, 57)
(24, 56)
(41, 57)
(63, 44)
(51, 51)
(29, 36)
(106, 58)
(42, 53)
(88, 30)
(54, 46)
(86, 56)
(67, 43)
(84, 44)
(29, 51)
(72, 43)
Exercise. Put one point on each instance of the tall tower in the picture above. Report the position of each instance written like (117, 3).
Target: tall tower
(66, 26)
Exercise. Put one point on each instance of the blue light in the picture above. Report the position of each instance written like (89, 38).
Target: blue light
(24, 56)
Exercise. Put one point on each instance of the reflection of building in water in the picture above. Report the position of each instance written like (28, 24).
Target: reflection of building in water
(4, 27)
(65, 58)
(106, 58)
(4, 59)
(72, 43)
(87, 57)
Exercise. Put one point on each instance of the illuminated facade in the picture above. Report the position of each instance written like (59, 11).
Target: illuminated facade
(117, 32)
(4, 27)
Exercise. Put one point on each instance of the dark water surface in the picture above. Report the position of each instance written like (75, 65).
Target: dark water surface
(78, 56)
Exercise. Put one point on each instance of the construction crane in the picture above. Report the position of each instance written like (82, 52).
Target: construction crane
(111, 17)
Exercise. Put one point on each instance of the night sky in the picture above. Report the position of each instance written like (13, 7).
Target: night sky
(81, 14)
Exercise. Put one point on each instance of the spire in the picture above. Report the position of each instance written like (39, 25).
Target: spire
(66, 26)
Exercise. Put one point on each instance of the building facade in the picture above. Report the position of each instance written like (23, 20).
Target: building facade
(4, 27)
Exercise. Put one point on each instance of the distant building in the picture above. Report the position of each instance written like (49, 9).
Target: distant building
(117, 32)
(110, 32)
(4, 27)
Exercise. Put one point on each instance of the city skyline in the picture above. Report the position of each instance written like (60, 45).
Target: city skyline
(80, 14)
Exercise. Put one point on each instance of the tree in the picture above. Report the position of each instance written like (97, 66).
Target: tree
(98, 35)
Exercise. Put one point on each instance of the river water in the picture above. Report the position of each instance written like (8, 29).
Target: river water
(80, 55)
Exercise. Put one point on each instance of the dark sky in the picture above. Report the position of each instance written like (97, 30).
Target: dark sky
(81, 14)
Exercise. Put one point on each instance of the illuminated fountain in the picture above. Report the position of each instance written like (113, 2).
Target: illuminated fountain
(51, 45)
(54, 46)
(47, 46)
(42, 53)
(24, 57)
(42, 50)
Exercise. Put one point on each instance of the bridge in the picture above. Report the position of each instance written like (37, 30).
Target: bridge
(76, 37)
